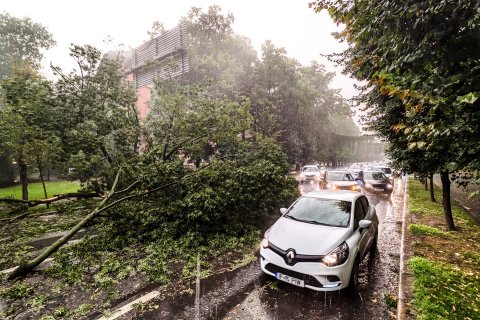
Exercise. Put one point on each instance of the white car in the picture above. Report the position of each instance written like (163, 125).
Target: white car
(310, 173)
(319, 242)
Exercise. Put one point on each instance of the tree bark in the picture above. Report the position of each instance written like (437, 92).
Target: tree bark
(425, 183)
(106, 154)
(22, 166)
(446, 201)
(432, 194)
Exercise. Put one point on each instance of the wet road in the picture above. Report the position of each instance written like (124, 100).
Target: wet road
(376, 293)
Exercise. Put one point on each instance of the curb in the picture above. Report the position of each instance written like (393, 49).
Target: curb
(405, 277)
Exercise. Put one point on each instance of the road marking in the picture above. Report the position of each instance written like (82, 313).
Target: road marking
(126, 308)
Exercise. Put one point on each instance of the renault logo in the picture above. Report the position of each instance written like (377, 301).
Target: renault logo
(290, 257)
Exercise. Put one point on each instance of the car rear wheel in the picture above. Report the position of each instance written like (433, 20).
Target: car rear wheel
(353, 283)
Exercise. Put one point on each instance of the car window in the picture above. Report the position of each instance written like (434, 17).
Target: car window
(336, 176)
(374, 176)
(359, 213)
(384, 170)
(328, 212)
(339, 176)
(310, 169)
(364, 203)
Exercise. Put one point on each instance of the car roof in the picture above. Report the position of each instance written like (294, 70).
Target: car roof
(342, 195)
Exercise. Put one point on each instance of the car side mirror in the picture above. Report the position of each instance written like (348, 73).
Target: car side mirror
(283, 210)
(363, 224)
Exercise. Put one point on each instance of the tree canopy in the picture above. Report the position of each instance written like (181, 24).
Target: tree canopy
(21, 40)
(420, 59)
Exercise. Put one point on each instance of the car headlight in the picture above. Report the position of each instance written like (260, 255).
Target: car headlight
(355, 188)
(332, 186)
(264, 243)
(337, 257)
(389, 186)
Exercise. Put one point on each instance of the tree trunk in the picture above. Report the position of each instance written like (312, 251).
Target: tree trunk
(39, 165)
(22, 165)
(446, 201)
(432, 194)
(425, 183)
(27, 267)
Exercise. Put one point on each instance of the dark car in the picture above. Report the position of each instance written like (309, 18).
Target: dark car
(376, 181)
(339, 180)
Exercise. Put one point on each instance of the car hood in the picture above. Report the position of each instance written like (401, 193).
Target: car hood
(310, 173)
(342, 183)
(306, 238)
(382, 181)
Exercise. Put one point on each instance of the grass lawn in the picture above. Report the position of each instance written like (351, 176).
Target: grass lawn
(446, 264)
(35, 190)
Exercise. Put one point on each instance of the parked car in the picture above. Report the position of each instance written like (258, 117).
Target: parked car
(376, 181)
(319, 242)
(310, 173)
(339, 180)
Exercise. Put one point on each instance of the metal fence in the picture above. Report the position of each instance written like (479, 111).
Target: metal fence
(160, 58)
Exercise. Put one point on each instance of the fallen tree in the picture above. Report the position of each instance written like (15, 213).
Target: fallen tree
(58, 197)
(26, 267)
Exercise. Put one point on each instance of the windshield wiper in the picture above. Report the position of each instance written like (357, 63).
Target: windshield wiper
(293, 218)
(316, 222)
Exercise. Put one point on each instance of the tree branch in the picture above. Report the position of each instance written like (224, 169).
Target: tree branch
(27, 267)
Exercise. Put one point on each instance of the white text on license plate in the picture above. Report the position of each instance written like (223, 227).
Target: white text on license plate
(292, 280)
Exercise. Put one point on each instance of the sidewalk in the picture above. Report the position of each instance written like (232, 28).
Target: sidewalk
(406, 252)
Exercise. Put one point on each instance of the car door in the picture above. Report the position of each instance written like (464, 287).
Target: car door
(360, 212)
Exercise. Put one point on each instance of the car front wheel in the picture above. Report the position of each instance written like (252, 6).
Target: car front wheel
(353, 283)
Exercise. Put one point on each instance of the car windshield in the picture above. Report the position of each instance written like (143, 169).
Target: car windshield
(384, 170)
(310, 169)
(374, 176)
(327, 212)
(339, 176)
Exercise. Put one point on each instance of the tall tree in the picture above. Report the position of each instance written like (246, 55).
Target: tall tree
(424, 56)
(21, 40)
(95, 114)
(25, 119)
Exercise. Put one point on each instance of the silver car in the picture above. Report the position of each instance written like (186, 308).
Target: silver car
(310, 173)
(319, 242)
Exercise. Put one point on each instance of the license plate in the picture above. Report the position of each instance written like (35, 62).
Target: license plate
(292, 280)
(378, 189)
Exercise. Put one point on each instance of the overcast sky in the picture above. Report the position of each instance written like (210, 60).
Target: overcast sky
(288, 23)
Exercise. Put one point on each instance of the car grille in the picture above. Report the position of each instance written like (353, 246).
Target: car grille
(379, 186)
(298, 257)
(309, 280)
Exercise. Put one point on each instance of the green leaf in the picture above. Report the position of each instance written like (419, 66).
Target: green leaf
(468, 98)
(452, 166)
